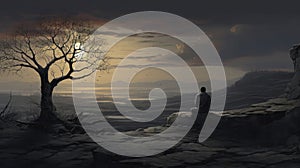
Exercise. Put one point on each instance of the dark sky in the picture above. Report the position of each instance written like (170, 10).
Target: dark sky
(215, 11)
(248, 34)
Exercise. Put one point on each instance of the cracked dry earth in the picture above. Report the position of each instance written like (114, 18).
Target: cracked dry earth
(237, 142)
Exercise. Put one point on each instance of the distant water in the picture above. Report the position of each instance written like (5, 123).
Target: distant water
(253, 88)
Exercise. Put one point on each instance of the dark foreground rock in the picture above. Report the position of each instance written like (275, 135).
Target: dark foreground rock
(262, 135)
(32, 147)
(199, 155)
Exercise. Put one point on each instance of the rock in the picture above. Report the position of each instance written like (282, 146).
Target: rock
(40, 154)
(293, 140)
(280, 108)
(267, 158)
(104, 158)
(76, 129)
(63, 156)
(293, 88)
(172, 117)
(277, 105)
(59, 143)
(281, 101)
(177, 159)
(58, 128)
(198, 148)
(157, 129)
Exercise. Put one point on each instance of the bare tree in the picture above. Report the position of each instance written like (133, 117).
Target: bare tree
(51, 49)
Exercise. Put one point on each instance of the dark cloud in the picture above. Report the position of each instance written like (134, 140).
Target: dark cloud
(219, 11)
(237, 28)
(254, 39)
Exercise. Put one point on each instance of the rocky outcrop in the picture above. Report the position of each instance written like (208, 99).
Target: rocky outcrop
(263, 135)
(267, 124)
(293, 88)
(252, 125)
(198, 155)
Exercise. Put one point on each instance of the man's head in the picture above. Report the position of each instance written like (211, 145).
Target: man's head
(203, 89)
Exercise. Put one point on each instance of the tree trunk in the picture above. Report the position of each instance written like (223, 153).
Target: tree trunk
(47, 106)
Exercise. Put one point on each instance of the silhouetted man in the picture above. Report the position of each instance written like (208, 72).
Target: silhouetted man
(204, 104)
(203, 101)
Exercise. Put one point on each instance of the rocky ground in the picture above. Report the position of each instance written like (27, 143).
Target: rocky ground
(244, 138)
(32, 147)
(201, 155)
(257, 130)
(263, 135)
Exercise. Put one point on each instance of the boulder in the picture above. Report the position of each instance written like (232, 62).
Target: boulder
(172, 117)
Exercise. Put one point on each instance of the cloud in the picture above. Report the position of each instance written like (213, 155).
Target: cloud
(235, 28)
(180, 48)
(239, 29)
(274, 61)
(253, 40)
